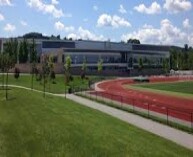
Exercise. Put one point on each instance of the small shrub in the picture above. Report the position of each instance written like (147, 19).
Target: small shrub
(71, 78)
(16, 73)
(82, 75)
(52, 77)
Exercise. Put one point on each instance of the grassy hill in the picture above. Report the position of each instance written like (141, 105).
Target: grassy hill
(33, 126)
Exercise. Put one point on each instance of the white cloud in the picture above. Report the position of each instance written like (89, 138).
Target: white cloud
(175, 6)
(55, 2)
(95, 8)
(112, 21)
(146, 26)
(155, 8)
(59, 26)
(167, 34)
(1, 17)
(85, 34)
(46, 8)
(9, 28)
(190, 39)
(5, 2)
(23, 23)
(186, 23)
(122, 9)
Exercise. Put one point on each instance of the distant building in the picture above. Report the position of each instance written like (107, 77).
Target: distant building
(118, 58)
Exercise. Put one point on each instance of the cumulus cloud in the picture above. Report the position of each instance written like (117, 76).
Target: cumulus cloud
(55, 2)
(59, 26)
(122, 10)
(1, 17)
(166, 34)
(85, 34)
(112, 21)
(155, 8)
(9, 28)
(186, 23)
(190, 39)
(23, 23)
(5, 2)
(46, 8)
(95, 8)
(175, 6)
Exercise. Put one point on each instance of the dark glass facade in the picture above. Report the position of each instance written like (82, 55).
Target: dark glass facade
(150, 47)
(93, 58)
(58, 44)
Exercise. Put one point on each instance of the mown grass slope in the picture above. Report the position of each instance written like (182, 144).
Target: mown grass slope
(33, 126)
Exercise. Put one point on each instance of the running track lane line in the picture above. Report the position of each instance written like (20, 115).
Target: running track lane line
(182, 138)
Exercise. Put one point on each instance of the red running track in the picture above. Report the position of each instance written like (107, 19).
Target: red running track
(176, 107)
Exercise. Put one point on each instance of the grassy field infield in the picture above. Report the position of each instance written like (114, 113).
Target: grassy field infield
(33, 126)
(183, 89)
(58, 87)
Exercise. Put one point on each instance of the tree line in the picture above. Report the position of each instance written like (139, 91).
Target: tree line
(21, 51)
(181, 59)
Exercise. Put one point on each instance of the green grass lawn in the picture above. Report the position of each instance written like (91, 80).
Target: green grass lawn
(177, 87)
(59, 87)
(31, 126)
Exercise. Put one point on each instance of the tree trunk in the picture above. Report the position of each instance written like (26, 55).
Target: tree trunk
(3, 80)
(32, 81)
(44, 87)
(6, 91)
(49, 84)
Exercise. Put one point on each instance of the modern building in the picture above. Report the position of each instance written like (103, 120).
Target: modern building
(118, 58)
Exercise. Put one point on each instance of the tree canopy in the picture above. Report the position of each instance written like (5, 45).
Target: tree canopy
(133, 41)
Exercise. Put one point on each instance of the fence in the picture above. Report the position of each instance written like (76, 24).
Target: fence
(151, 109)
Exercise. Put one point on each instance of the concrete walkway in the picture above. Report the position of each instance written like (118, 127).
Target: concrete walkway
(182, 138)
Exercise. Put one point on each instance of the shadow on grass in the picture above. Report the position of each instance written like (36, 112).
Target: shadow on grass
(5, 88)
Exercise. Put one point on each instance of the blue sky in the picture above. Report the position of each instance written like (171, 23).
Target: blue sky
(154, 21)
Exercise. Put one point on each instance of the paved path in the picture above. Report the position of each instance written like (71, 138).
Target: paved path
(182, 138)
(177, 136)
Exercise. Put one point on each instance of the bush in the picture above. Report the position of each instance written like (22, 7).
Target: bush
(52, 77)
(16, 73)
(36, 71)
(71, 78)
(82, 75)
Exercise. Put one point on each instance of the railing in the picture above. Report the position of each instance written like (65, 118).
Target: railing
(177, 117)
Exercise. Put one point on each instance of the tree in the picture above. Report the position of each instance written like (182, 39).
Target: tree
(140, 64)
(35, 35)
(186, 47)
(133, 41)
(83, 73)
(51, 70)
(67, 67)
(24, 51)
(8, 64)
(33, 60)
(8, 60)
(2, 68)
(58, 37)
(45, 72)
(100, 66)
(174, 59)
(166, 65)
(11, 47)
